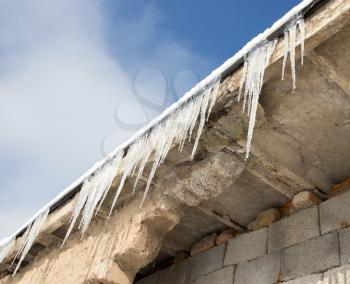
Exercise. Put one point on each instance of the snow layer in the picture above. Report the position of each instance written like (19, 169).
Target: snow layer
(186, 99)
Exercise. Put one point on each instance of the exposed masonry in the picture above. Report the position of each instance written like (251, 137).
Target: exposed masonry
(171, 129)
(293, 250)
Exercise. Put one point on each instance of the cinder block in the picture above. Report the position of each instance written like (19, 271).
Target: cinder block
(300, 226)
(175, 274)
(335, 213)
(263, 270)
(222, 276)
(310, 279)
(336, 275)
(344, 242)
(151, 279)
(311, 256)
(206, 262)
(246, 247)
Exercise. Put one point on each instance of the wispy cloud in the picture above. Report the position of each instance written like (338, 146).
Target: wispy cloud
(64, 68)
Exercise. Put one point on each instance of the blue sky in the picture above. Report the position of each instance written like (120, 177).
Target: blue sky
(78, 77)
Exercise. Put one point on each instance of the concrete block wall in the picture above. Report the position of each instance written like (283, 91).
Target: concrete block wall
(305, 247)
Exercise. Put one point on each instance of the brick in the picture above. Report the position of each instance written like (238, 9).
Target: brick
(300, 226)
(263, 270)
(225, 235)
(305, 199)
(310, 279)
(206, 262)
(335, 213)
(222, 276)
(151, 279)
(204, 244)
(267, 217)
(175, 274)
(311, 256)
(340, 188)
(287, 209)
(344, 242)
(335, 274)
(180, 256)
(246, 247)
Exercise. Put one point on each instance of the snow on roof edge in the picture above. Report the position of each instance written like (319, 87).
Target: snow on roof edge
(206, 81)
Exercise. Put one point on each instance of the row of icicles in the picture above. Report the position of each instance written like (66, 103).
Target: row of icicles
(176, 129)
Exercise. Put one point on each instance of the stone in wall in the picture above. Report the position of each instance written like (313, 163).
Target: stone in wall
(204, 244)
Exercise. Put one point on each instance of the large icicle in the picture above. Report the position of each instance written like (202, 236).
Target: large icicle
(254, 67)
(92, 194)
(174, 130)
(30, 236)
(5, 248)
(290, 34)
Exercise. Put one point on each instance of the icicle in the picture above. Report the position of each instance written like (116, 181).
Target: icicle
(5, 248)
(180, 125)
(83, 195)
(213, 97)
(113, 170)
(292, 38)
(204, 107)
(129, 163)
(30, 236)
(100, 185)
(93, 193)
(290, 42)
(255, 64)
(301, 25)
(286, 51)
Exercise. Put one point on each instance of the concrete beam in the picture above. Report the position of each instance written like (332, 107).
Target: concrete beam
(327, 68)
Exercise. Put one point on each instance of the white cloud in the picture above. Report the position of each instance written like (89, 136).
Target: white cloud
(59, 87)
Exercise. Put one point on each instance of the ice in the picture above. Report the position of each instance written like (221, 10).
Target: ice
(189, 101)
(290, 36)
(93, 193)
(29, 237)
(254, 68)
(301, 25)
(5, 248)
(286, 51)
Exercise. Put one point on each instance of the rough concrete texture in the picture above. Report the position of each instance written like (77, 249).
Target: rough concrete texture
(335, 213)
(311, 256)
(246, 247)
(206, 262)
(310, 279)
(300, 143)
(298, 227)
(222, 276)
(206, 179)
(264, 270)
(106, 255)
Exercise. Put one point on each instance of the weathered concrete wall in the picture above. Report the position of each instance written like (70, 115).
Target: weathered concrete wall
(106, 255)
(301, 248)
